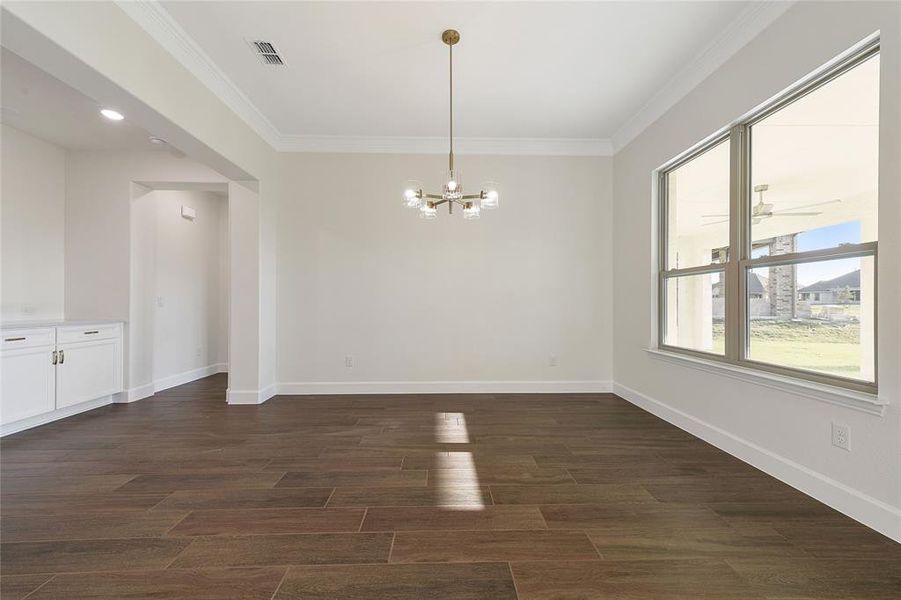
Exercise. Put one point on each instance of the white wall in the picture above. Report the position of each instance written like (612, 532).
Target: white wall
(786, 434)
(101, 282)
(449, 300)
(32, 212)
(178, 270)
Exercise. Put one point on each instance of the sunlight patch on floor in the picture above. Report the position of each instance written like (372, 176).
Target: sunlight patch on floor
(450, 428)
(455, 474)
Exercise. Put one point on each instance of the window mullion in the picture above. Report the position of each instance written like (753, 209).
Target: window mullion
(738, 207)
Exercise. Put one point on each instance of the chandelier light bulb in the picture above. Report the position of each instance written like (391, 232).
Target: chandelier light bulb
(412, 194)
(428, 212)
(490, 195)
(471, 212)
(452, 185)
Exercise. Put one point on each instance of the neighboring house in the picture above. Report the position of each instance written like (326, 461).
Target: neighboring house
(844, 289)
(756, 287)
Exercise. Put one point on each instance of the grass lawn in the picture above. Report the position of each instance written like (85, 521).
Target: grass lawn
(813, 345)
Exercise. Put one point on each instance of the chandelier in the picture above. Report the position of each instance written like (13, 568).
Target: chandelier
(452, 191)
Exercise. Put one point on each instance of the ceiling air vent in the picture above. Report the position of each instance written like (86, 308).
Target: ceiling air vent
(266, 52)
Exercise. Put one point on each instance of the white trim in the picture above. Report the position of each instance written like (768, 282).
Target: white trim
(159, 24)
(268, 392)
(136, 393)
(445, 387)
(867, 403)
(870, 511)
(749, 23)
(438, 145)
(145, 391)
(55, 415)
(188, 376)
(244, 396)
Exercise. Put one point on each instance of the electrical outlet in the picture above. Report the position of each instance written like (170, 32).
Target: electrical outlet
(552, 361)
(841, 436)
(349, 361)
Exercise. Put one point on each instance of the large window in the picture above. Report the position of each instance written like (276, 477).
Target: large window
(769, 239)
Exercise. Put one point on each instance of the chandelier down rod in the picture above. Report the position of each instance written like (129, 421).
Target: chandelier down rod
(451, 37)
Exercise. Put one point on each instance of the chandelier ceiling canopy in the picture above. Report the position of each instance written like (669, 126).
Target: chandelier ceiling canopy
(452, 190)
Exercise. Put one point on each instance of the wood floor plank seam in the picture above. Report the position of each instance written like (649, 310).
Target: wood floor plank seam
(280, 582)
(391, 547)
(34, 591)
(513, 579)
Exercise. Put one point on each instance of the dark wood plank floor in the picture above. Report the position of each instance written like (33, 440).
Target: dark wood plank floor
(414, 497)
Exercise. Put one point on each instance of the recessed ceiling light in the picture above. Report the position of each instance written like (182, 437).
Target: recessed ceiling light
(111, 114)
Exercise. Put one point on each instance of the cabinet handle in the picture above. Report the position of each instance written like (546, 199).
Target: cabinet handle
(62, 356)
(18, 339)
(55, 358)
(90, 332)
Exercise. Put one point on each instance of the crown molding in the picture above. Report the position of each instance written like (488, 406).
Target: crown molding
(159, 24)
(750, 22)
(439, 145)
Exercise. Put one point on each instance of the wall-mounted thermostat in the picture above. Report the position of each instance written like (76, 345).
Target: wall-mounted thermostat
(188, 213)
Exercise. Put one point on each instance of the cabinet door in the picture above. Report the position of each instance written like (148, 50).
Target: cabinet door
(27, 381)
(87, 371)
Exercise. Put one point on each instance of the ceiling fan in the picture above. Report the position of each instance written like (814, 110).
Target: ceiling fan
(762, 210)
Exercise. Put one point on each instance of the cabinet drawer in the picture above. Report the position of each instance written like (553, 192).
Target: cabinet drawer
(28, 338)
(87, 333)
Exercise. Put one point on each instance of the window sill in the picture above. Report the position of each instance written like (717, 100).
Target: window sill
(867, 403)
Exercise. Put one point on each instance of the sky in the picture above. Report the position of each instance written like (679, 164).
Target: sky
(827, 237)
(817, 239)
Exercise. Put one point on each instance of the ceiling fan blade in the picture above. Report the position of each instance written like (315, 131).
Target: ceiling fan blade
(800, 214)
(837, 200)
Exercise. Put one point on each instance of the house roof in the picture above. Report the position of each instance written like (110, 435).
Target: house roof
(755, 285)
(849, 280)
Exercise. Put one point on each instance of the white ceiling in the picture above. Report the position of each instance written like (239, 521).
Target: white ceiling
(47, 108)
(549, 70)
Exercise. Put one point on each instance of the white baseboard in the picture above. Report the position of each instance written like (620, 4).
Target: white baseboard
(136, 393)
(444, 387)
(243, 396)
(188, 376)
(145, 391)
(55, 415)
(873, 513)
(268, 392)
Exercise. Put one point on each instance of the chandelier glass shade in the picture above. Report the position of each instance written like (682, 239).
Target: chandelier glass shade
(452, 189)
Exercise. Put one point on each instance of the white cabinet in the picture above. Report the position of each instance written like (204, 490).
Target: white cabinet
(53, 372)
(28, 378)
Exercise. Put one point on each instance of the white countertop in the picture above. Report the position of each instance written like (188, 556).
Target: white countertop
(57, 323)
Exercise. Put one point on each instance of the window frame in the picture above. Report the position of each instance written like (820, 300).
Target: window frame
(740, 263)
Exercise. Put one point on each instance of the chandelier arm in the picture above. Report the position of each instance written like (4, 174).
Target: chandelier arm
(478, 196)
(434, 196)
